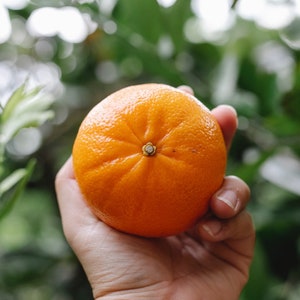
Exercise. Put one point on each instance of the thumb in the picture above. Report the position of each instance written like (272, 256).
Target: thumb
(73, 209)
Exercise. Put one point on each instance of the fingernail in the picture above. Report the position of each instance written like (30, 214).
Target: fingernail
(229, 197)
(212, 227)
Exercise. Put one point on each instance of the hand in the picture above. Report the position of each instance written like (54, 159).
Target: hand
(210, 261)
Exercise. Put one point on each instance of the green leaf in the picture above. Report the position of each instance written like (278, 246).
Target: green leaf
(12, 186)
(20, 95)
(11, 180)
(141, 17)
(174, 19)
(23, 109)
(13, 101)
(32, 119)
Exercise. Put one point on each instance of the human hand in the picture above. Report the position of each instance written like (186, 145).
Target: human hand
(209, 261)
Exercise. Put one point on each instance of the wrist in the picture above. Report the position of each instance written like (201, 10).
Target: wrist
(131, 296)
(149, 293)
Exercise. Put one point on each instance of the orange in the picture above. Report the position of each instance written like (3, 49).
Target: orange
(148, 158)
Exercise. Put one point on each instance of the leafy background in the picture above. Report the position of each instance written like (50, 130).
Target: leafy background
(49, 82)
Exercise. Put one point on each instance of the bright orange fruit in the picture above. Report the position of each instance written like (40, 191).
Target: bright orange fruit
(148, 158)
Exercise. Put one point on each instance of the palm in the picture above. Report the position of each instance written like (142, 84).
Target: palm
(157, 268)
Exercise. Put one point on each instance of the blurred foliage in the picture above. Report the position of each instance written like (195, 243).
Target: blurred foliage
(23, 109)
(253, 68)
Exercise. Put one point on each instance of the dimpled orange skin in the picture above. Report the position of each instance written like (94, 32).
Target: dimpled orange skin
(142, 193)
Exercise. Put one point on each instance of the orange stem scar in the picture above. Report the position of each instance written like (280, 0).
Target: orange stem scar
(149, 149)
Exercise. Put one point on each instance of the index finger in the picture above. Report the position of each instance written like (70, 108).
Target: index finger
(73, 209)
(227, 119)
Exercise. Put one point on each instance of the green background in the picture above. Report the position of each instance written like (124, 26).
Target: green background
(254, 69)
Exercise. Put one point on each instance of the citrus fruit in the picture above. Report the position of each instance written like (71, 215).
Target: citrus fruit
(148, 158)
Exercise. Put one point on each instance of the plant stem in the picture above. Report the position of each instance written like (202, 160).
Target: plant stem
(234, 3)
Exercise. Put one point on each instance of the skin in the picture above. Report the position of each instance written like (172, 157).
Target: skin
(209, 261)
